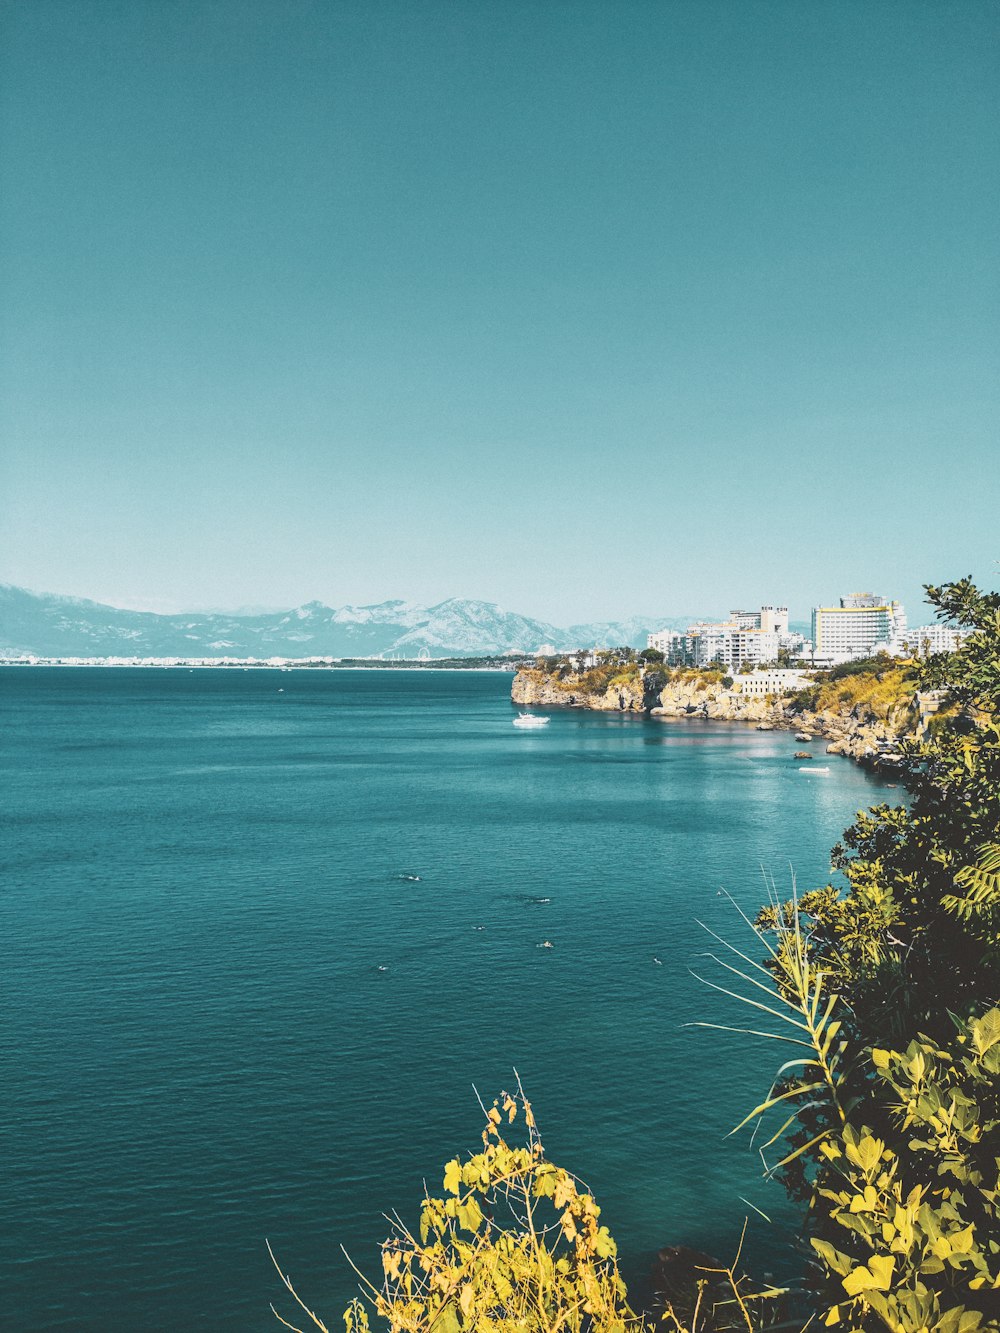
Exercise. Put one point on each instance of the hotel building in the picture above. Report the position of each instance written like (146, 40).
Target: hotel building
(862, 625)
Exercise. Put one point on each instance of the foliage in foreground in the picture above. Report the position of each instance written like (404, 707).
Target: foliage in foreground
(513, 1245)
(895, 1150)
(918, 1244)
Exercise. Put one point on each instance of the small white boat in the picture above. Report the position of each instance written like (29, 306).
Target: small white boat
(814, 769)
(530, 720)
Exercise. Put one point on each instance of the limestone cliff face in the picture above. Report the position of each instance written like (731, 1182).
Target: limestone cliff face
(699, 698)
(860, 732)
(539, 688)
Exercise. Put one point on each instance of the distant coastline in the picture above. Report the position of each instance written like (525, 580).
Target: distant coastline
(254, 664)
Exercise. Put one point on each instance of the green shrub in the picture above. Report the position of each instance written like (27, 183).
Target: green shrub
(913, 1214)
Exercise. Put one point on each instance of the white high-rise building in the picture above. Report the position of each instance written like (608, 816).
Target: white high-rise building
(863, 624)
(771, 619)
(774, 619)
(664, 641)
(729, 646)
(746, 639)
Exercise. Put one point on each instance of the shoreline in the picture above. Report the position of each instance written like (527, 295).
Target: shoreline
(857, 732)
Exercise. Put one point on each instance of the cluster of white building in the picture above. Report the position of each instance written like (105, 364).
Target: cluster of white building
(863, 625)
(925, 640)
(745, 641)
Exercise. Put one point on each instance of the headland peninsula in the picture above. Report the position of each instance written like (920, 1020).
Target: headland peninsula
(866, 709)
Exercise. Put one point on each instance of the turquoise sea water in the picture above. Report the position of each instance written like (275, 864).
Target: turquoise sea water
(204, 874)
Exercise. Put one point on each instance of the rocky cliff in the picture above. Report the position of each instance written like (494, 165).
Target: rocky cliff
(704, 697)
(866, 731)
(623, 693)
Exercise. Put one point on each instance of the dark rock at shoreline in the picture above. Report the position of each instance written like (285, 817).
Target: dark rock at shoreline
(676, 1276)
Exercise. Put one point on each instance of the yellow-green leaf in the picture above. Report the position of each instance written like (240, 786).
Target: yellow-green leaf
(986, 1031)
(961, 1241)
(866, 1152)
(470, 1216)
(876, 1277)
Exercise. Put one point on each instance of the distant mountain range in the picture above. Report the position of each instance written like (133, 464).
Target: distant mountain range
(43, 625)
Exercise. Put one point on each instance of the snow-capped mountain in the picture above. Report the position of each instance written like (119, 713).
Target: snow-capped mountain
(44, 625)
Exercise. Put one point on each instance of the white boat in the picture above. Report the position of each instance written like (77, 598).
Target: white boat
(818, 769)
(530, 720)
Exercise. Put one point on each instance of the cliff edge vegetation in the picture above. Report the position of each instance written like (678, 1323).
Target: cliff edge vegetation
(618, 683)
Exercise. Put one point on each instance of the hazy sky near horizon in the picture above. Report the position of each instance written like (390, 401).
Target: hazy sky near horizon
(584, 308)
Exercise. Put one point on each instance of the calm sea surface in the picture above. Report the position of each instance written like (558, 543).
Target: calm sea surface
(232, 1012)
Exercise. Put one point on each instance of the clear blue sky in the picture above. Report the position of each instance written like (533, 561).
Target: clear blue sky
(587, 309)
